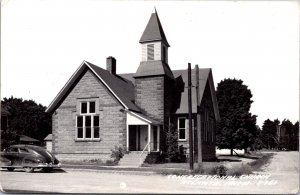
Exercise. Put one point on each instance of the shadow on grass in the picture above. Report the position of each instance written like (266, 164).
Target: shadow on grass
(264, 160)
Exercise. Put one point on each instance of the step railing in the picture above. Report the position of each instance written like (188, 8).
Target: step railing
(143, 152)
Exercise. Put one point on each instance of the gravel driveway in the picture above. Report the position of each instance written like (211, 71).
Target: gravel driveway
(280, 176)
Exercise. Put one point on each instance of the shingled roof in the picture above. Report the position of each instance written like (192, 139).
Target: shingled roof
(205, 78)
(153, 68)
(154, 31)
(121, 88)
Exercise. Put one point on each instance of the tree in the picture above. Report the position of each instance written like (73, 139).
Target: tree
(290, 135)
(258, 144)
(237, 127)
(269, 134)
(26, 118)
(295, 141)
(172, 144)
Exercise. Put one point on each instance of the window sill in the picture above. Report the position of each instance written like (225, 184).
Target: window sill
(87, 140)
(182, 140)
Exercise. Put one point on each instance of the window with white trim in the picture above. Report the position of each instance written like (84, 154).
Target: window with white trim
(87, 122)
(181, 129)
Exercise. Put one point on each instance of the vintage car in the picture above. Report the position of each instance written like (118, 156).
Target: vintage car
(28, 157)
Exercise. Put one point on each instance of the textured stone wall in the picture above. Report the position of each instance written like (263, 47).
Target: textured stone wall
(149, 96)
(207, 122)
(112, 122)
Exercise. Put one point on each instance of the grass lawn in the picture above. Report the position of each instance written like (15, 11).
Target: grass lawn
(235, 165)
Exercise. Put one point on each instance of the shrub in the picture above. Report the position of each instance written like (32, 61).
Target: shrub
(111, 162)
(172, 152)
(95, 161)
(219, 170)
(239, 170)
(117, 153)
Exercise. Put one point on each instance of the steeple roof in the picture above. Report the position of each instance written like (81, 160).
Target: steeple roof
(154, 31)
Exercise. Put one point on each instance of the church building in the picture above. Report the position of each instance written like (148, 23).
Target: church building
(98, 109)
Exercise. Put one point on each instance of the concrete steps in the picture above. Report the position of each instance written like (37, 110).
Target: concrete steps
(133, 159)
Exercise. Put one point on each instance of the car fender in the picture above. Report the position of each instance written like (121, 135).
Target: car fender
(4, 162)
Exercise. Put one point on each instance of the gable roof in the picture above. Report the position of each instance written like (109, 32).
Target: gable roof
(122, 89)
(205, 78)
(154, 31)
(203, 75)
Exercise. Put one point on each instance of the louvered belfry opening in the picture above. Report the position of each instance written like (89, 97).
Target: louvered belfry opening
(150, 52)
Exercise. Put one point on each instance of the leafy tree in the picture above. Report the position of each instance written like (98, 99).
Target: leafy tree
(289, 135)
(237, 128)
(172, 144)
(26, 118)
(295, 140)
(269, 134)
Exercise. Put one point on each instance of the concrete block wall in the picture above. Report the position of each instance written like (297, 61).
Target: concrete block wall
(112, 122)
(149, 96)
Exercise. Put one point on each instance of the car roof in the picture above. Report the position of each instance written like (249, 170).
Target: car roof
(26, 146)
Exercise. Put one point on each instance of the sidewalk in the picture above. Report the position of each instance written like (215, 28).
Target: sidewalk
(118, 169)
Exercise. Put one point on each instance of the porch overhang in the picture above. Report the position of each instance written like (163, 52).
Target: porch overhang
(153, 130)
(134, 118)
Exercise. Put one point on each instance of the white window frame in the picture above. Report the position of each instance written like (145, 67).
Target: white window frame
(84, 115)
(88, 107)
(178, 128)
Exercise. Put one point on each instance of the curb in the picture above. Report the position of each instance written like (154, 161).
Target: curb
(113, 171)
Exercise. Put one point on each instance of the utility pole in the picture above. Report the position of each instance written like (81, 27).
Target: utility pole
(190, 118)
(199, 137)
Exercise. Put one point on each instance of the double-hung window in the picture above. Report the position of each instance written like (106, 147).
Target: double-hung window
(87, 122)
(181, 129)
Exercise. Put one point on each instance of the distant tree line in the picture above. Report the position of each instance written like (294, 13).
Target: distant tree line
(282, 136)
(26, 117)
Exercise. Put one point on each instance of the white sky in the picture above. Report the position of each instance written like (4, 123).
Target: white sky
(44, 41)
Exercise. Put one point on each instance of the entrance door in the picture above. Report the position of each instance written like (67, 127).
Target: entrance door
(132, 138)
(143, 136)
(138, 137)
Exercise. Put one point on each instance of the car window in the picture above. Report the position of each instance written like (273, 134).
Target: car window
(32, 151)
(12, 149)
(23, 150)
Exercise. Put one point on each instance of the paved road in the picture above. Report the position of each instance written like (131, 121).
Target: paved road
(284, 178)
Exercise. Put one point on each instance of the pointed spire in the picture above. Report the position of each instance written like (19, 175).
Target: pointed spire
(154, 30)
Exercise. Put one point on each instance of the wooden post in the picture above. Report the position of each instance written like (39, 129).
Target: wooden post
(190, 118)
(199, 137)
(127, 138)
(149, 138)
